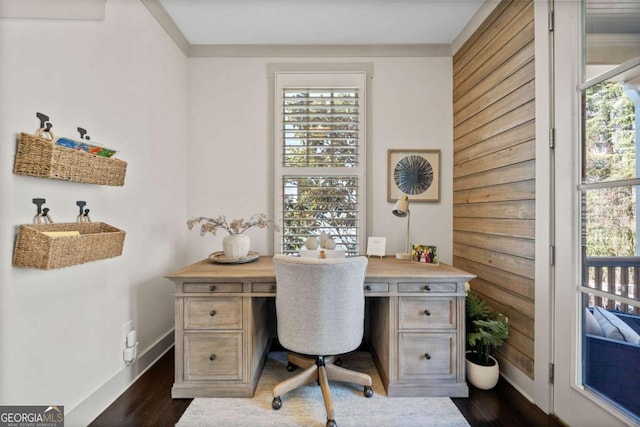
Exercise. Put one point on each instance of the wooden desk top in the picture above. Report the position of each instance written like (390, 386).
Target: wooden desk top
(387, 268)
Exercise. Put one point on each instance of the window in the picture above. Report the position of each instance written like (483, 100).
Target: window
(320, 159)
(609, 224)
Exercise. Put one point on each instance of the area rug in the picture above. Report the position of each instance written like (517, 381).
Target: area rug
(304, 406)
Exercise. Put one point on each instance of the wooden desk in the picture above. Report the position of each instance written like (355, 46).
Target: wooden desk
(225, 320)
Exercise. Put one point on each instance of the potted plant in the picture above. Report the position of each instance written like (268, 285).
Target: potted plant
(236, 244)
(486, 331)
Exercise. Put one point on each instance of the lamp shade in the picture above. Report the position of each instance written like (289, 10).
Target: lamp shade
(401, 208)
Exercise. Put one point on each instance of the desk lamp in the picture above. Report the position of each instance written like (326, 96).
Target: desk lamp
(401, 209)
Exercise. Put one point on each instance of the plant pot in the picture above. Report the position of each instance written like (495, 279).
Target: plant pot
(236, 246)
(483, 377)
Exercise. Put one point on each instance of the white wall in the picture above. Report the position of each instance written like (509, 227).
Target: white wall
(230, 157)
(125, 81)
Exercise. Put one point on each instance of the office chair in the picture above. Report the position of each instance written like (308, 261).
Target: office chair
(320, 313)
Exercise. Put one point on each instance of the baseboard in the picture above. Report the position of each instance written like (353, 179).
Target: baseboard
(87, 410)
(519, 381)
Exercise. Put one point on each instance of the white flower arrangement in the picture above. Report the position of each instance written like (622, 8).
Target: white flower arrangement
(237, 226)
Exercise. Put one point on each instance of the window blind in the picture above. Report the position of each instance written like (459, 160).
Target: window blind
(321, 165)
(320, 204)
(320, 127)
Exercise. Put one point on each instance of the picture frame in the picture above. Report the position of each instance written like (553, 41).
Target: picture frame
(376, 246)
(425, 254)
(415, 173)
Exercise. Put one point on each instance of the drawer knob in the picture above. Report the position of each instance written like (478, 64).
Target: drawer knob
(427, 356)
(212, 313)
(427, 313)
(212, 357)
(367, 288)
(212, 288)
(427, 288)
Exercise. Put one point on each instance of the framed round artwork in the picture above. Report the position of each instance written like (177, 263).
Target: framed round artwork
(415, 173)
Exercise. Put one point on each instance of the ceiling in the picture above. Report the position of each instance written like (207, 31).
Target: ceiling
(320, 22)
(612, 33)
(612, 16)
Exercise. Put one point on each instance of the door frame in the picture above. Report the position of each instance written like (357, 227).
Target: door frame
(543, 334)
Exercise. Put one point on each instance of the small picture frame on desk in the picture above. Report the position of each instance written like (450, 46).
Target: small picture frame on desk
(376, 246)
(425, 254)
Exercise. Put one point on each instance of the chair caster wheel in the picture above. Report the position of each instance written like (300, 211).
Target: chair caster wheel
(368, 391)
(331, 423)
(276, 403)
(291, 367)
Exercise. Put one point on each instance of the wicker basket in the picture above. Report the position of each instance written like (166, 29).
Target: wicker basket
(39, 156)
(96, 241)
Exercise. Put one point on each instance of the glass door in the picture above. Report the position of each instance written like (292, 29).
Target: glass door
(610, 309)
(596, 274)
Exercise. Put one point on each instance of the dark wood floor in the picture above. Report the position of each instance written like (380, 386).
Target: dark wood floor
(148, 402)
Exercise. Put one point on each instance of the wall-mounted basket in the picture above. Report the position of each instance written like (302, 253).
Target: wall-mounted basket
(97, 240)
(40, 156)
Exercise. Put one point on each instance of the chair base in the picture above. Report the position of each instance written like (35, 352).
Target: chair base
(322, 370)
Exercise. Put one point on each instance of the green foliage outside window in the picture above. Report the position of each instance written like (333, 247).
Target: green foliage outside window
(314, 205)
(609, 155)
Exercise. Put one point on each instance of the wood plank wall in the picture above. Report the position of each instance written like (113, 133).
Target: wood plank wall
(494, 166)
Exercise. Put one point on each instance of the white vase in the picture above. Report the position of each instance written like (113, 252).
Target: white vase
(483, 377)
(236, 246)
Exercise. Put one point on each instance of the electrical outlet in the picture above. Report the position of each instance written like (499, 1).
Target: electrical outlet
(132, 338)
(126, 328)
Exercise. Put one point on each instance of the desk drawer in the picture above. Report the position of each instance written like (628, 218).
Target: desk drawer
(427, 356)
(427, 313)
(213, 287)
(212, 356)
(426, 287)
(375, 287)
(263, 287)
(213, 313)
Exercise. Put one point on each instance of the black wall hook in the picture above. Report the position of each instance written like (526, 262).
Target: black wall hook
(82, 133)
(39, 203)
(83, 216)
(43, 213)
(81, 204)
(44, 121)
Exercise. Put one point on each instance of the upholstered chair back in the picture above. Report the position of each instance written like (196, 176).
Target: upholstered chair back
(320, 304)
